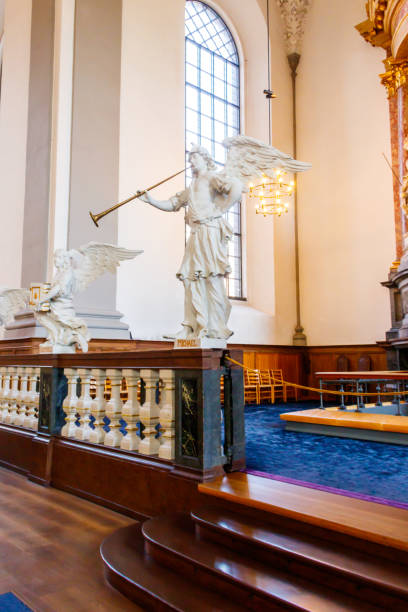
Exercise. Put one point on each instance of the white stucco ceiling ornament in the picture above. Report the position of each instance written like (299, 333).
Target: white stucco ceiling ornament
(294, 13)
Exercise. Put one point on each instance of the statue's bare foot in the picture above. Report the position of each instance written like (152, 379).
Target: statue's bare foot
(185, 333)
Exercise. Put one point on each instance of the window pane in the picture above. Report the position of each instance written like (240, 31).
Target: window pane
(232, 131)
(219, 88)
(191, 52)
(205, 81)
(206, 62)
(208, 144)
(233, 94)
(206, 127)
(219, 110)
(206, 104)
(219, 68)
(219, 153)
(219, 131)
(233, 115)
(192, 121)
(191, 74)
(191, 98)
(232, 74)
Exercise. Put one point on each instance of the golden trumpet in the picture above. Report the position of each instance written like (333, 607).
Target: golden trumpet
(96, 218)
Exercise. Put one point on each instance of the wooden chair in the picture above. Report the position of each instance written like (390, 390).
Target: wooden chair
(278, 386)
(265, 387)
(251, 387)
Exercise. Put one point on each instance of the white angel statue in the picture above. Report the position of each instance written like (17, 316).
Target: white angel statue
(11, 302)
(75, 270)
(209, 195)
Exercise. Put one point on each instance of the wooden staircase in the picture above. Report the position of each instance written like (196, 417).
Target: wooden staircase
(231, 555)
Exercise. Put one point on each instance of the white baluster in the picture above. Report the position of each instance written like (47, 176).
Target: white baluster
(114, 409)
(36, 399)
(5, 386)
(84, 406)
(167, 414)
(22, 396)
(30, 398)
(12, 413)
(2, 377)
(98, 407)
(149, 414)
(69, 405)
(130, 411)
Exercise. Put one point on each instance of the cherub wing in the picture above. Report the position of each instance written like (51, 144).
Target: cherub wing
(11, 302)
(249, 158)
(95, 258)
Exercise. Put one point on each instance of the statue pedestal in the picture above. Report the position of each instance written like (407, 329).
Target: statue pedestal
(200, 343)
(102, 324)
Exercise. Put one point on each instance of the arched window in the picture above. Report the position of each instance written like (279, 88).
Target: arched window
(213, 104)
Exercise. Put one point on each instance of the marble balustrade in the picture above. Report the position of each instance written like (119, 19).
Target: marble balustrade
(19, 396)
(127, 409)
(130, 409)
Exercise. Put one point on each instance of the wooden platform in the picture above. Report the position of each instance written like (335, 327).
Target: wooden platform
(343, 423)
(366, 520)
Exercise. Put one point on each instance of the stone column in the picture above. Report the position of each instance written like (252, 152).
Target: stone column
(38, 155)
(95, 150)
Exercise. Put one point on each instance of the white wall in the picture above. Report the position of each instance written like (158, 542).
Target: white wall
(152, 147)
(2, 7)
(13, 136)
(345, 201)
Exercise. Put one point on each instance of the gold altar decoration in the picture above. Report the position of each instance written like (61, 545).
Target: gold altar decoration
(372, 29)
(272, 194)
(395, 76)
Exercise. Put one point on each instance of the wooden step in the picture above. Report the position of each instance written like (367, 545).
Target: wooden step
(171, 541)
(374, 579)
(155, 587)
(378, 523)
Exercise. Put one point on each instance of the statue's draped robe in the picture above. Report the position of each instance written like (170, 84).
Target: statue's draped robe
(205, 262)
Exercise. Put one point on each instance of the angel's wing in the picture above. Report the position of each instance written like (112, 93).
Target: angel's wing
(248, 158)
(11, 302)
(95, 258)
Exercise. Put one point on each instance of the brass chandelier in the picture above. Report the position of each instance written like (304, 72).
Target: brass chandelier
(273, 193)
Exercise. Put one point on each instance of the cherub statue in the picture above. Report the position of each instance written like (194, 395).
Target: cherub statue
(11, 302)
(210, 194)
(75, 270)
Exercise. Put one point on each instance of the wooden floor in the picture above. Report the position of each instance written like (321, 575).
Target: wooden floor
(49, 549)
(374, 522)
(344, 418)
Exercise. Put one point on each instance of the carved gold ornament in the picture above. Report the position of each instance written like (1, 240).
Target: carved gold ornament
(395, 76)
(372, 29)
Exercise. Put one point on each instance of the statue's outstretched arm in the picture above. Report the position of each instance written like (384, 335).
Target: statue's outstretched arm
(166, 205)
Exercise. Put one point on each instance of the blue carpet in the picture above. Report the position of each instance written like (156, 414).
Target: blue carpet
(10, 603)
(368, 468)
